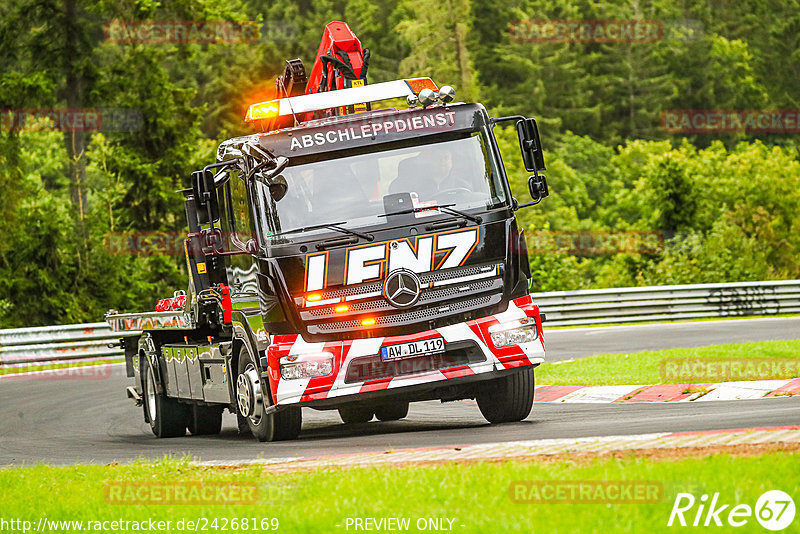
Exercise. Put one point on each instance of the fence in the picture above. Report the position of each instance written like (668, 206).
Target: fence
(50, 344)
(669, 303)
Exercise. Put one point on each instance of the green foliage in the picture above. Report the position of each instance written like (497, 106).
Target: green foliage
(726, 205)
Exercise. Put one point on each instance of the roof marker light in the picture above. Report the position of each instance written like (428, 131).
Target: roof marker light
(297, 105)
(418, 84)
(263, 110)
(427, 97)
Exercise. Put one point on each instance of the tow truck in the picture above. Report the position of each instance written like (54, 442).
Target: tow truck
(346, 258)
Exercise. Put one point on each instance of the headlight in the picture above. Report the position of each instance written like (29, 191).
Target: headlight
(514, 332)
(306, 366)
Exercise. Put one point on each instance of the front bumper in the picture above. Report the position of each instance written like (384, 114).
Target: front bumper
(357, 368)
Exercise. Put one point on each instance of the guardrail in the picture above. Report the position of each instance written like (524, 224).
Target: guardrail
(51, 344)
(57, 344)
(668, 303)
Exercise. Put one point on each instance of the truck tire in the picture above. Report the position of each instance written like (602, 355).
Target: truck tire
(391, 412)
(509, 398)
(205, 420)
(167, 416)
(252, 399)
(355, 414)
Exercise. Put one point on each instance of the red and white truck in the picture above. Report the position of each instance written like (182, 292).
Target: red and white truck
(346, 258)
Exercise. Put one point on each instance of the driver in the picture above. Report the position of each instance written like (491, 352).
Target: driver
(428, 174)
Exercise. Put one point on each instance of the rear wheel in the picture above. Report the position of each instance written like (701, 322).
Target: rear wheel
(392, 412)
(252, 399)
(355, 414)
(205, 420)
(167, 416)
(509, 398)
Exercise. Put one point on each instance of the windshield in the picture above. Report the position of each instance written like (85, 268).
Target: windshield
(362, 190)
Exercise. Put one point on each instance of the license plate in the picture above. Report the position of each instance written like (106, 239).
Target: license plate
(432, 345)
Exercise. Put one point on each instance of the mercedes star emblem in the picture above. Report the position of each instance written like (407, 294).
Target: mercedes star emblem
(401, 288)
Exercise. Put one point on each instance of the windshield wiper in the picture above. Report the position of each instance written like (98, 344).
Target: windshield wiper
(331, 226)
(452, 211)
(444, 207)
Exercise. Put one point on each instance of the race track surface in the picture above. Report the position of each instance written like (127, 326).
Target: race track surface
(62, 421)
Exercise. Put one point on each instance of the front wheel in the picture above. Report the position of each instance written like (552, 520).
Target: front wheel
(167, 416)
(509, 398)
(252, 399)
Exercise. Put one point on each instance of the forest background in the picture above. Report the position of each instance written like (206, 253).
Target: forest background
(633, 200)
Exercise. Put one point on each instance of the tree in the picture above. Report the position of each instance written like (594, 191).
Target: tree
(438, 44)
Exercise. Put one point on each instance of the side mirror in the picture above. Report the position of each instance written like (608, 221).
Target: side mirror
(272, 178)
(277, 186)
(537, 185)
(205, 195)
(530, 145)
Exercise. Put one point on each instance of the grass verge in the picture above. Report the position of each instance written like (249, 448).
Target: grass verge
(646, 367)
(475, 497)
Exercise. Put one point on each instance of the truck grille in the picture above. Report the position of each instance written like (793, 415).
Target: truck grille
(405, 318)
(426, 298)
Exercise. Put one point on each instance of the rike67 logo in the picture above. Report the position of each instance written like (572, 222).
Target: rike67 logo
(774, 510)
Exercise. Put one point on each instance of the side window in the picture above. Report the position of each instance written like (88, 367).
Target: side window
(239, 211)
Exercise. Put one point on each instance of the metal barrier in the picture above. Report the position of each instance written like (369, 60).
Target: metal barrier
(50, 344)
(668, 303)
(57, 344)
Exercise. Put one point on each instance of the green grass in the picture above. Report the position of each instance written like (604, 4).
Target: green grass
(49, 366)
(475, 495)
(645, 367)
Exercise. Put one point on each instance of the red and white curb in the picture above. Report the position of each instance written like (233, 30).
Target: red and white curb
(523, 449)
(754, 389)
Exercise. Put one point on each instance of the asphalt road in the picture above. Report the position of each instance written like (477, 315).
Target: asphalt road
(569, 343)
(69, 420)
